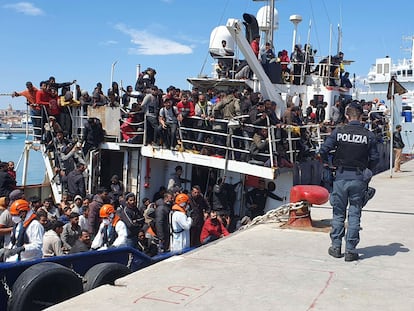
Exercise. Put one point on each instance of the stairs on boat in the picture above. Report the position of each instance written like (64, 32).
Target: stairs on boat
(55, 185)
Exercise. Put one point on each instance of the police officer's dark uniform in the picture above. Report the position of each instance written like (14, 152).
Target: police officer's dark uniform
(355, 155)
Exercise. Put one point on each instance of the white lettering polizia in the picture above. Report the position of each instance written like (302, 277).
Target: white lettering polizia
(352, 138)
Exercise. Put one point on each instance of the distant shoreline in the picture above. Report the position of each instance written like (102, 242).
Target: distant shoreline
(14, 129)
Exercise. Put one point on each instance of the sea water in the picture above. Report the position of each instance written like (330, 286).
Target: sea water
(12, 150)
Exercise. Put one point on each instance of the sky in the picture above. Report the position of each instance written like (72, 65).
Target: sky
(92, 41)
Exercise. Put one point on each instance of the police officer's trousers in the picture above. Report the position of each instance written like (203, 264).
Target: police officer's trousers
(344, 192)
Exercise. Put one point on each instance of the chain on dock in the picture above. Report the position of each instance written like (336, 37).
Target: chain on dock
(277, 215)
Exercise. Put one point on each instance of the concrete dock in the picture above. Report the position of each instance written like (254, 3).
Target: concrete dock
(268, 267)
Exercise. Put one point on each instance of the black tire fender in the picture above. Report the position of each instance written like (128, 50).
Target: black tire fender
(43, 285)
(104, 273)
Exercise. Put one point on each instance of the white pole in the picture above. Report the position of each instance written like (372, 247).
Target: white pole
(25, 162)
(112, 73)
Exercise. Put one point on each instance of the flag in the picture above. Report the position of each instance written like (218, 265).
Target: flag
(398, 88)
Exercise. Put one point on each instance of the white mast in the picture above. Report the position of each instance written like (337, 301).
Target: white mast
(295, 19)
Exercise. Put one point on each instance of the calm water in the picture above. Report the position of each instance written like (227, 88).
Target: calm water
(12, 150)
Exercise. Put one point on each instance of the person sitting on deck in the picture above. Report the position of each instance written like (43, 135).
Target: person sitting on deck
(212, 229)
(145, 245)
(82, 244)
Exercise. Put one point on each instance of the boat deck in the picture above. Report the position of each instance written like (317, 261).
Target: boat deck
(268, 267)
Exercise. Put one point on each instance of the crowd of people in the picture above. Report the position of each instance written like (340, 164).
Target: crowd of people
(177, 218)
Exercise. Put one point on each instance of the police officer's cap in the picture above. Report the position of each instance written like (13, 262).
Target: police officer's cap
(356, 105)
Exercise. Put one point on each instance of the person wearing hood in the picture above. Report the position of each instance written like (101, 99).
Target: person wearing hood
(180, 223)
(112, 230)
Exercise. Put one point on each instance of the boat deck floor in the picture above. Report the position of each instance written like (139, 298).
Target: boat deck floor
(273, 267)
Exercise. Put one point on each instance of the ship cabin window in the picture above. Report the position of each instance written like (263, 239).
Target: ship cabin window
(409, 72)
(379, 68)
(398, 72)
(386, 68)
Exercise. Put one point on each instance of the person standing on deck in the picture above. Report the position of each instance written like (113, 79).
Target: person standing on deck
(355, 155)
(398, 146)
(199, 206)
(99, 199)
(7, 183)
(35, 110)
(150, 106)
(180, 223)
(162, 224)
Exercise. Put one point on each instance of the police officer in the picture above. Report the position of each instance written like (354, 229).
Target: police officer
(355, 156)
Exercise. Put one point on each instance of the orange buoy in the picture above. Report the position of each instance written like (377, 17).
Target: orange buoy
(308, 194)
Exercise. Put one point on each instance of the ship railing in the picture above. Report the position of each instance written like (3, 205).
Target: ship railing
(324, 69)
(380, 126)
(37, 129)
(287, 141)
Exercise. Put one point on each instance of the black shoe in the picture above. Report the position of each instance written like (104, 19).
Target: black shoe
(351, 256)
(335, 252)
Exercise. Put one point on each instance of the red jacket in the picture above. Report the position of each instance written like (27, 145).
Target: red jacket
(209, 229)
(186, 108)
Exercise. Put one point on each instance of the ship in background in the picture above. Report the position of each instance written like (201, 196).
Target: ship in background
(378, 83)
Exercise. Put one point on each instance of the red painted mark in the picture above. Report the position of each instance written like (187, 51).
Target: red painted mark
(175, 294)
(313, 304)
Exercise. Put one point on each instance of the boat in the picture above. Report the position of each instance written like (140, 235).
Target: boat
(6, 135)
(143, 168)
(378, 83)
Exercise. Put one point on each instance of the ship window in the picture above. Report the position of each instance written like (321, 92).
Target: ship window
(386, 68)
(409, 72)
(379, 68)
(404, 73)
(398, 72)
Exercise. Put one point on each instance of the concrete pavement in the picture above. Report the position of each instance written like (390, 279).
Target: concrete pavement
(268, 267)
